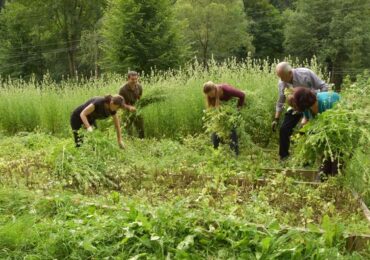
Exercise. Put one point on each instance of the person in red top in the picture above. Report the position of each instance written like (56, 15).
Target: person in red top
(215, 93)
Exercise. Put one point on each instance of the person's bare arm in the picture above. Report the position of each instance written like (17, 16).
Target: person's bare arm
(87, 111)
(117, 125)
(304, 121)
(140, 92)
(277, 114)
(281, 100)
(129, 108)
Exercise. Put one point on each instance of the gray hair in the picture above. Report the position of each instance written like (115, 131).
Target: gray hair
(284, 67)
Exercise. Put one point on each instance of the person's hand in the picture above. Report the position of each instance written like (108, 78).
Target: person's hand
(130, 108)
(121, 145)
(89, 129)
(274, 124)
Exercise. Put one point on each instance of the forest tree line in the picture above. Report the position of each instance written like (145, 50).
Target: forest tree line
(90, 37)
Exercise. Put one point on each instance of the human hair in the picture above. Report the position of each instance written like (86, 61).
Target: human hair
(211, 101)
(131, 74)
(303, 98)
(283, 67)
(116, 99)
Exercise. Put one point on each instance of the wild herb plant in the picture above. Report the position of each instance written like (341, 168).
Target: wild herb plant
(339, 132)
(177, 197)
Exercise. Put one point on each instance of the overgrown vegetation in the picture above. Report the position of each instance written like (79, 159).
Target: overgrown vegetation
(46, 106)
(341, 133)
(172, 195)
(159, 199)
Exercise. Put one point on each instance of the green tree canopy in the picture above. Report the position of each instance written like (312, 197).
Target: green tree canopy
(37, 36)
(20, 50)
(215, 27)
(336, 31)
(283, 4)
(141, 35)
(266, 27)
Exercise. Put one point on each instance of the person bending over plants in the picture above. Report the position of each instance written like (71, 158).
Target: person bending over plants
(215, 93)
(310, 104)
(97, 108)
(291, 78)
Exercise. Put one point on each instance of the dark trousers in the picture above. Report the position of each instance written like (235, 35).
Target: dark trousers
(137, 121)
(330, 167)
(286, 131)
(234, 144)
(76, 125)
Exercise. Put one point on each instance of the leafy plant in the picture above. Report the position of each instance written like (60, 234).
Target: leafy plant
(222, 120)
(338, 132)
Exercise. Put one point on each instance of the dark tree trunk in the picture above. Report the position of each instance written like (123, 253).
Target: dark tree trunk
(2, 3)
(71, 60)
(96, 58)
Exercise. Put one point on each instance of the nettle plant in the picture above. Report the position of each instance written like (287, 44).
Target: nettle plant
(221, 120)
(338, 132)
(330, 136)
(224, 119)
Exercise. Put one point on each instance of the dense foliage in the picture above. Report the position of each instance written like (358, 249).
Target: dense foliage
(140, 35)
(72, 37)
(171, 195)
(178, 197)
(174, 101)
(337, 32)
(161, 199)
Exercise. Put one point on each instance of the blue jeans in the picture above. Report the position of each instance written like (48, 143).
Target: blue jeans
(234, 144)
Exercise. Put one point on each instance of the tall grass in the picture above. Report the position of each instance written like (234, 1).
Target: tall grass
(47, 105)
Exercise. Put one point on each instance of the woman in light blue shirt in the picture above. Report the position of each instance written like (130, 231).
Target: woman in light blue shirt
(311, 104)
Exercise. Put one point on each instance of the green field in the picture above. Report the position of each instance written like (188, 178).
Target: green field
(171, 196)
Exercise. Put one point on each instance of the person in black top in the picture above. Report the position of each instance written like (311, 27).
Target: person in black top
(97, 108)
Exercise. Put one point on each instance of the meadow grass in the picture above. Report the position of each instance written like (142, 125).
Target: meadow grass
(172, 198)
(46, 106)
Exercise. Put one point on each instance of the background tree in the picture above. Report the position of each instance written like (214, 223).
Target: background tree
(2, 3)
(283, 4)
(39, 36)
(20, 47)
(90, 51)
(71, 18)
(141, 35)
(336, 31)
(266, 28)
(215, 27)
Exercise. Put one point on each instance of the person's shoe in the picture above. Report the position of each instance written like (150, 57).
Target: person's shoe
(284, 159)
(322, 177)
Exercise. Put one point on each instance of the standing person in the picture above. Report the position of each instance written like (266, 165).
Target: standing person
(97, 108)
(291, 78)
(223, 92)
(132, 92)
(311, 104)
